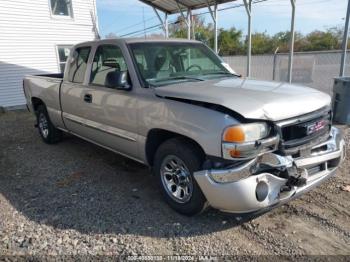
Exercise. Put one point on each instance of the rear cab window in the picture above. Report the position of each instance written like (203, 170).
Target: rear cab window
(78, 64)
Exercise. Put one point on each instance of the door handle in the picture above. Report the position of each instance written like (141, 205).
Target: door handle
(88, 98)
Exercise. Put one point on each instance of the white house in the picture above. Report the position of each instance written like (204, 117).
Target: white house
(35, 37)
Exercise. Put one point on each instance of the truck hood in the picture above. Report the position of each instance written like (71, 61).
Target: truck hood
(253, 99)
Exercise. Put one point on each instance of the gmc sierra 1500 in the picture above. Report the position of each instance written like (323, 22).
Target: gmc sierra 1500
(210, 136)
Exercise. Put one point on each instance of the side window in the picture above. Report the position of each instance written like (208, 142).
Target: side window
(108, 58)
(63, 53)
(78, 64)
(61, 8)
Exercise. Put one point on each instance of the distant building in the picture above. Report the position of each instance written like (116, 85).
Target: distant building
(35, 37)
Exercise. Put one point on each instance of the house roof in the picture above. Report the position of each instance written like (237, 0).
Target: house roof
(172, 6)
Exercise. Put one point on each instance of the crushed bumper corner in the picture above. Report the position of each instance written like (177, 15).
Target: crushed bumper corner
(266, 190)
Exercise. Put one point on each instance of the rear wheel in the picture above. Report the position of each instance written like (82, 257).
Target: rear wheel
(175, 162)
(48, 132)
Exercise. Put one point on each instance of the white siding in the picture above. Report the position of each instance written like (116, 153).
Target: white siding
(28, 39)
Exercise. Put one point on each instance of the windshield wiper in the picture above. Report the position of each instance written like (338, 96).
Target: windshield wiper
(179, 78)
(223, 73)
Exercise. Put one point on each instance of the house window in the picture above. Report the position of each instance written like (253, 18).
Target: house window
(63, 53)
(61, 8)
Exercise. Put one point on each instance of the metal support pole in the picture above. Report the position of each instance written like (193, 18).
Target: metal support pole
(248, 7)
(164, 22)
(291, 43)
(186, 18)
(214, 16)
(193, 27)
(345, 42)
(274, 63)
(216, 28)
(189, 18)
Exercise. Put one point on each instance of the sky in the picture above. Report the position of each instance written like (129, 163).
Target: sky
(123, 17)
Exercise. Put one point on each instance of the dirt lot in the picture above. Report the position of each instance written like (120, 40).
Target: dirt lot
(76, 198)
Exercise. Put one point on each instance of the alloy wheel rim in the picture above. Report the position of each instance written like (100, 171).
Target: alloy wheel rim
(43, 125)
(176, 179)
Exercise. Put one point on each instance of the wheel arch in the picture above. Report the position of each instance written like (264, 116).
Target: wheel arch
(157, 136)
(36, 102)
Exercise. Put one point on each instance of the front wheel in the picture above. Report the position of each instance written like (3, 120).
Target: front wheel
(175, 162)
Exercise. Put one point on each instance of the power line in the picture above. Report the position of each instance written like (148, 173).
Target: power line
(148, 31)
(301, 4)
(231, 7)
(141, 30)
(133, 25)
(152, 29)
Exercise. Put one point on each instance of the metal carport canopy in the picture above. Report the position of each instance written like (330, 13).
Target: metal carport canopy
(172, 6)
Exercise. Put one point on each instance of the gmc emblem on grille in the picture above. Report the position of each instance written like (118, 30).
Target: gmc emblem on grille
(315, 127)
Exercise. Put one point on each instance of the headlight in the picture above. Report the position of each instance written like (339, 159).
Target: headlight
(246, 133)
(247, 141)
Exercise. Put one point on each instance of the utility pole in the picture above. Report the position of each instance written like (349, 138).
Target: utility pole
(144, 22)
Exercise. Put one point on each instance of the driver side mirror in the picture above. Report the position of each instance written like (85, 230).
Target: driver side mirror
(118, 80)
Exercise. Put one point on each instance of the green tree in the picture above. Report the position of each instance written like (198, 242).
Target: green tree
(179, 28)
(318, 41)
(281, 40)
(230, 42)
(262, 43)
(205, 34)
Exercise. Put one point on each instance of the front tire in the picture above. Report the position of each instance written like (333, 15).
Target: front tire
(48, 132)
(175, 162)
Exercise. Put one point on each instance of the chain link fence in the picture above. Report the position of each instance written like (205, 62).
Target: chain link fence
(314, 69)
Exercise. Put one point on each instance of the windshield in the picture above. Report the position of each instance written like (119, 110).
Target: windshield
(163, 63)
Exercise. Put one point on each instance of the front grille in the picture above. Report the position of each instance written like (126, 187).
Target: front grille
(304, 130)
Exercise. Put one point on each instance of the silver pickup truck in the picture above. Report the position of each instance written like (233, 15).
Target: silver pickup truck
(211, 137)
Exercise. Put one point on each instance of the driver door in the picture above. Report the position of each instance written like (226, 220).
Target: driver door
(109, 115)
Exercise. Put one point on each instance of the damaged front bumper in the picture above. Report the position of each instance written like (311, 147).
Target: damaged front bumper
(272, 179)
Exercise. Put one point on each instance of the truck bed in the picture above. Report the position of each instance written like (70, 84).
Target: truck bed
(45, 88)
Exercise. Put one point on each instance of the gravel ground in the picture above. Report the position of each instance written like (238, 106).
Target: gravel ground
(76, 198)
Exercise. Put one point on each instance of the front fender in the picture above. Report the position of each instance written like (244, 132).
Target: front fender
(203, 125)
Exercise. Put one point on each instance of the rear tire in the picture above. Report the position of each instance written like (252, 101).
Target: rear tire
(175, 162)
(48, 132)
